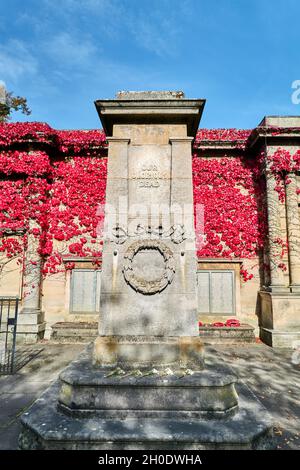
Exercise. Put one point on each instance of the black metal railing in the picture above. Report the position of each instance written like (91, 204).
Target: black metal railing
(8, 330)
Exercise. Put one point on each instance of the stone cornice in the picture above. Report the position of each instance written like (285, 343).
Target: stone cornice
(276, 130)
(156, 111)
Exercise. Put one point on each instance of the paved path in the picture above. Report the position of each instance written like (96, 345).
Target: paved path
(270, 374)
(275, 380)
(18, 391)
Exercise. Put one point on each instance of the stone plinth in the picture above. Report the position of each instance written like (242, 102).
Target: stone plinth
(99, 411)
(146, 351)
(279, 320)
(157, 392)
(44, 427)
(31, 326)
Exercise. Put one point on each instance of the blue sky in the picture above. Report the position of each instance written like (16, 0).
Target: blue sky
(241, 55)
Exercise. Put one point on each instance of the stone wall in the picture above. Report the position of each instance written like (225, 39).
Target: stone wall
(251, 307)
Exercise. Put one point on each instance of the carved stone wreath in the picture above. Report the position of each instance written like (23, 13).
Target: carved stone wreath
(142, 285)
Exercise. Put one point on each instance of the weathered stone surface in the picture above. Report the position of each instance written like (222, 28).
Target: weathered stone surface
(280, 310)
(279, 318)
(228, 335)
(149, 95)
(282, 121)
(74, 332)
(44, 427)
(156, 392)
(148, 281)
(278, 283)
(144, 351)
(293, 231)
(277, 338)
(150, 111)
(31, 324)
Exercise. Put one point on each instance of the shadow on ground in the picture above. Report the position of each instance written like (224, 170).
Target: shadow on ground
(268, 372)
(275, 381)
(37, 367)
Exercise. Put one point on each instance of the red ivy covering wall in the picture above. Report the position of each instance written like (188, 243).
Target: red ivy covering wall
(77, 190)
(237, 136)
(231, 193)
(282, 162)
(61, 196)
(58, 178)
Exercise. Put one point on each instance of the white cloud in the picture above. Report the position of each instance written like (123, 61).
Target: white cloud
(68, 50)
(155, 34)
(16, 61)
(154, 26)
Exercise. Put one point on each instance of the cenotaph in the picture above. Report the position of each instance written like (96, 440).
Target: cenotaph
(146, 383)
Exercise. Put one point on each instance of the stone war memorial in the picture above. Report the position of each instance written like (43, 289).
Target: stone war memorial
(147, 381)
(228, 226)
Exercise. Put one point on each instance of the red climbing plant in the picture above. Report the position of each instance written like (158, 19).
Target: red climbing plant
(231, 193)
(58, 179)
(61, 196)
(282, 162)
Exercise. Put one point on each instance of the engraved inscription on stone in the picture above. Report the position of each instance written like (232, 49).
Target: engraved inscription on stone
(149, 176)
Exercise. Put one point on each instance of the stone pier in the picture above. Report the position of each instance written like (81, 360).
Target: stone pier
(277, 281)
(293, 232)
(279, 317)
(31, 324)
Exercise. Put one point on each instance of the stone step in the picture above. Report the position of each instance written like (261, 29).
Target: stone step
(74, 332)
(45, 427)
(226, 334)
(85, 332)
(199, 411)
(206, 392)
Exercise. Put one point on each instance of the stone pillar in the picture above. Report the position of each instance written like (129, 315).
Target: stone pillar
(115, 224)
(293, 230)
(273, 205)
(148, 306)
(31, 325)
(279, 318)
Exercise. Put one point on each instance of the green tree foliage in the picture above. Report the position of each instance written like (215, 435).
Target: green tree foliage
(11, 103)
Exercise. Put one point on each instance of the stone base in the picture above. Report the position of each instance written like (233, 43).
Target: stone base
(87, 390)
(74, 332)
(31, 326)
(280, 338)
(30, 334)
(279, 318)
(94, 411)
(228, 335)
(147, 351)
(44, 427)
